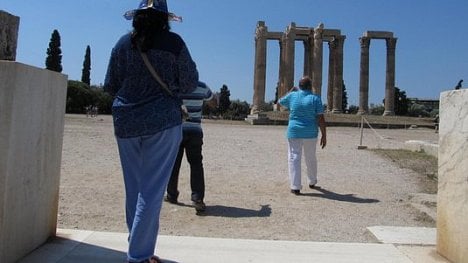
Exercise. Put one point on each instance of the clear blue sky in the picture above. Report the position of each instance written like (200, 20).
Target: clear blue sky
(431, 53)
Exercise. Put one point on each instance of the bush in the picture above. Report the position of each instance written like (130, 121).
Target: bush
(376, 109)
(80, 95)
(353, 109)
(237, 110)
(417, 110)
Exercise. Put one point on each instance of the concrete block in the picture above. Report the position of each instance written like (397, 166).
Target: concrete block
(422, 146)
(404, 235)
(452, 197)
(32, 109)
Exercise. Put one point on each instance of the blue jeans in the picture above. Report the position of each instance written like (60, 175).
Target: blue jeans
(147, 163)
(192, 144)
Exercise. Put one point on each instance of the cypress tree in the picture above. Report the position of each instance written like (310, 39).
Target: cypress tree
(86, 73)
(54, 53)
(344, 99)
(224, 100)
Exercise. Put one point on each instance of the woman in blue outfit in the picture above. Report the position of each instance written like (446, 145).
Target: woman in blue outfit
(147, 120)
(305, 116)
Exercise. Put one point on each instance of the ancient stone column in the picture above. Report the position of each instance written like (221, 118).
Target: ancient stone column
(390, 78)
(280, 69)
(307, 52)
(290, 38)
(338, 75)
(260, 67)
(364, 76)
(311, 54)
(318, 60)
(331, 70)
(9, 25)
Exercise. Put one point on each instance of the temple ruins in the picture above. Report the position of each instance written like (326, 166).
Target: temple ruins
(313, 39)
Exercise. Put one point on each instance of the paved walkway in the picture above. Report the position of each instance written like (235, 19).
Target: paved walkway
(73, 246)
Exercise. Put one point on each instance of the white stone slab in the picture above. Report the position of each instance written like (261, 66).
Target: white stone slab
(111, 247)
(404, 235)
(422, 254)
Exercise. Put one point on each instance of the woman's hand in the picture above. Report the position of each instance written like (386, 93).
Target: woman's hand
(323, 141)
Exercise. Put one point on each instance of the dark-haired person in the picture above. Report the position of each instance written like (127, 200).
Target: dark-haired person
(147, 120)
(305, 116)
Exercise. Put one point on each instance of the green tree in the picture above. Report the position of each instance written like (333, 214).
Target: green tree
(418, 110)
(54, 53)
(102, 100)
(353, 109)
(376, 109)
(401, 102)
(224, 100)
(86, 73)
(238, 110)
(79, 95)
(344, 100)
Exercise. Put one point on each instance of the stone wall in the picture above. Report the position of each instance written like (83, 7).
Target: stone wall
(32, 109)
(452, 197)
(9, 25)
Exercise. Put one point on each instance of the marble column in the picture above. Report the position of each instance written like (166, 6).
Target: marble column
(338, 75)
(452, 195)
(364, 77)
(9, 26)
(310, 40)
(390, 78)
(331, 70)
(260, 67)
(318, 60)
(280, 70)
(290, 38)
(307, 52)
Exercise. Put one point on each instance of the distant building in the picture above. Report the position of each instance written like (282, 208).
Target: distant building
(430, 104)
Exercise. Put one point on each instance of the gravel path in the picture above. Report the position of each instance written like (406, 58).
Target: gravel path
(247, 190)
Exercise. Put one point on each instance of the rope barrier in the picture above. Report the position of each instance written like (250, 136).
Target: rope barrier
(360, 146)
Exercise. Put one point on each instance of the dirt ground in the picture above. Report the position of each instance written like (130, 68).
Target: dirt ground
(247, 190)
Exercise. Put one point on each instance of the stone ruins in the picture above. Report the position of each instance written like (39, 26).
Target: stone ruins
(313, 39)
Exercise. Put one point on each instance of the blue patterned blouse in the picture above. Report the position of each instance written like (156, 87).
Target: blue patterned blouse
(141, 106)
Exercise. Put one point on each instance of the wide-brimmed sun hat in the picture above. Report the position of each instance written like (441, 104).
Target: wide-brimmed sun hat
(158, 5)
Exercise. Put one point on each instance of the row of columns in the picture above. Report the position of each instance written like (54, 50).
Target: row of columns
(313, 40)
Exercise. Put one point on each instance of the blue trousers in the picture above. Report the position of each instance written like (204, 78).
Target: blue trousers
(147, 163)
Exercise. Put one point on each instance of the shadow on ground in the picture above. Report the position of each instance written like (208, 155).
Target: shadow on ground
(236, 212)
(340, 197)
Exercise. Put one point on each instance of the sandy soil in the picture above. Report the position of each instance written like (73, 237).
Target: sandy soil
(247, 190)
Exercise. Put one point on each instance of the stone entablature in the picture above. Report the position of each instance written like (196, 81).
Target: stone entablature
(378, 34)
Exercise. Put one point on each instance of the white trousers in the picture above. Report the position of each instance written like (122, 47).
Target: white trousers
(295, 147)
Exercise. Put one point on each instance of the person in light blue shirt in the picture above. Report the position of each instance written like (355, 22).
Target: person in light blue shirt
(192, 141)
(305, 118)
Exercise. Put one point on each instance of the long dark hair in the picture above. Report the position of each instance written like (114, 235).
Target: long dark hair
(147, 25)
